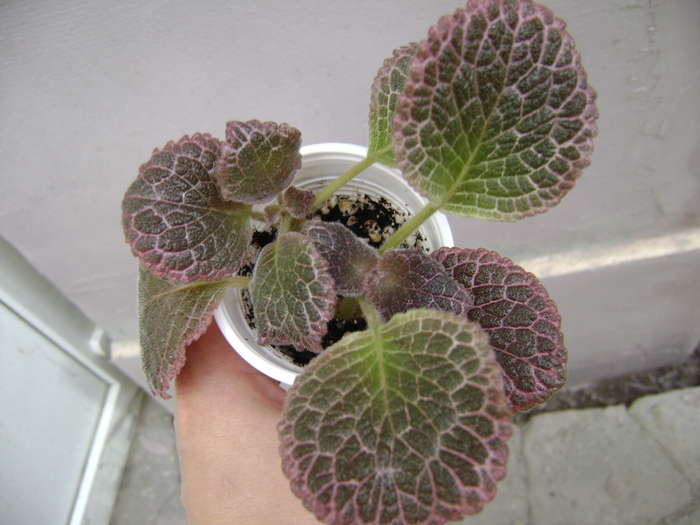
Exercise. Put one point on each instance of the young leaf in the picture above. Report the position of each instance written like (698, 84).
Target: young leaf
(258, 160)
(349, 259)
(407, 279)
(171, 316)
(403, 424)
(298, 202)
(387, 85)
(175, 219)
(272, 213)
(292, 293)
(497, 118)
(522, 322)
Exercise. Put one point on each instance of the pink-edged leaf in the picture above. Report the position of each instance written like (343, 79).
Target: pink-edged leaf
(292, 293)
(349, 259)
(171, 316)
(175, 219)
(407, 423)
(298, 203)
(258, 160)
(387, 86)
(408, 278)
(272, 213)
(522, 322)
(497, 118)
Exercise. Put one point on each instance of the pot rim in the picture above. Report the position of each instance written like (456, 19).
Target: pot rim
(314, 157)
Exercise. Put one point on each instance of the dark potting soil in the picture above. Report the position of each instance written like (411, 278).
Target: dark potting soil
(373, 220)
(369, 219)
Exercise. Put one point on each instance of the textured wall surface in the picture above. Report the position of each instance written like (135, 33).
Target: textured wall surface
(89, 88)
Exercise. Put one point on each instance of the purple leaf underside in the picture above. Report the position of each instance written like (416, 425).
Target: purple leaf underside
(406, 424)
(407, 279)
(171, 316)
(175, 219)
(522, 322)
(497, 119)
(292, 293)
(258, 160)
(388, 84)
(350, 261)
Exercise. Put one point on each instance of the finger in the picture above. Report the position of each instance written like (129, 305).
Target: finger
(225, 421)
(212, 365)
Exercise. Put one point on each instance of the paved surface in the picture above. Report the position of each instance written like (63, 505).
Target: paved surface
(602, 466)
(150, 488)
(638, 465)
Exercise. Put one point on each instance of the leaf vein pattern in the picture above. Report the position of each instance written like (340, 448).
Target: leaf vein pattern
(503, 133)
(389, 427)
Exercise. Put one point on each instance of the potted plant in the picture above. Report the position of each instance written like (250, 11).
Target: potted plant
(405, 421)
(372, 205)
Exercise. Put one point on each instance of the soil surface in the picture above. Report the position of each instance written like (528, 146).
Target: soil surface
(371, 220)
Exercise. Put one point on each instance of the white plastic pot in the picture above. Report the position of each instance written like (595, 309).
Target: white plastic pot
(322, 163)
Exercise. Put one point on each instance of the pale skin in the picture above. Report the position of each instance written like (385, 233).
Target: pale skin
(225, 423)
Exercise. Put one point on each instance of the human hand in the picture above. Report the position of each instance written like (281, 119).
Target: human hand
(226, 414)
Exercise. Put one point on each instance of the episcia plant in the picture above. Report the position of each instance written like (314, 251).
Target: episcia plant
(406, 421)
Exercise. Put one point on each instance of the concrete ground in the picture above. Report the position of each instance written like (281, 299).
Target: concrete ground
(617, 465)
(628, 464)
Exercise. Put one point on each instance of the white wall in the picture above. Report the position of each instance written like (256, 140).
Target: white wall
(89, 88)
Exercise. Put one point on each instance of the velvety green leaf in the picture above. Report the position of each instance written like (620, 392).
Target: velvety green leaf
(522, 322)
(292, 293)
(407, 279)
(387, 85)
(349, 259)
(171, 316)
(404, 424)
(496, 120)
(258, 160)
(175, 219)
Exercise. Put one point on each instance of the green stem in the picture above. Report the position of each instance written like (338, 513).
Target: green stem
(370, 313)
(257, 216)
(286, 224)
(408, 227)
(346, 177)
(238, 282)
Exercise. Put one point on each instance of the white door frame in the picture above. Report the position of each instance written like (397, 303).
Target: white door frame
(34, 299)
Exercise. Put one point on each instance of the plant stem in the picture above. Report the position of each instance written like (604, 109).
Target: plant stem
(286, 224)
(370, 313)
(409, 227)
(238, 281)
(346, 177)
(257, 216)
